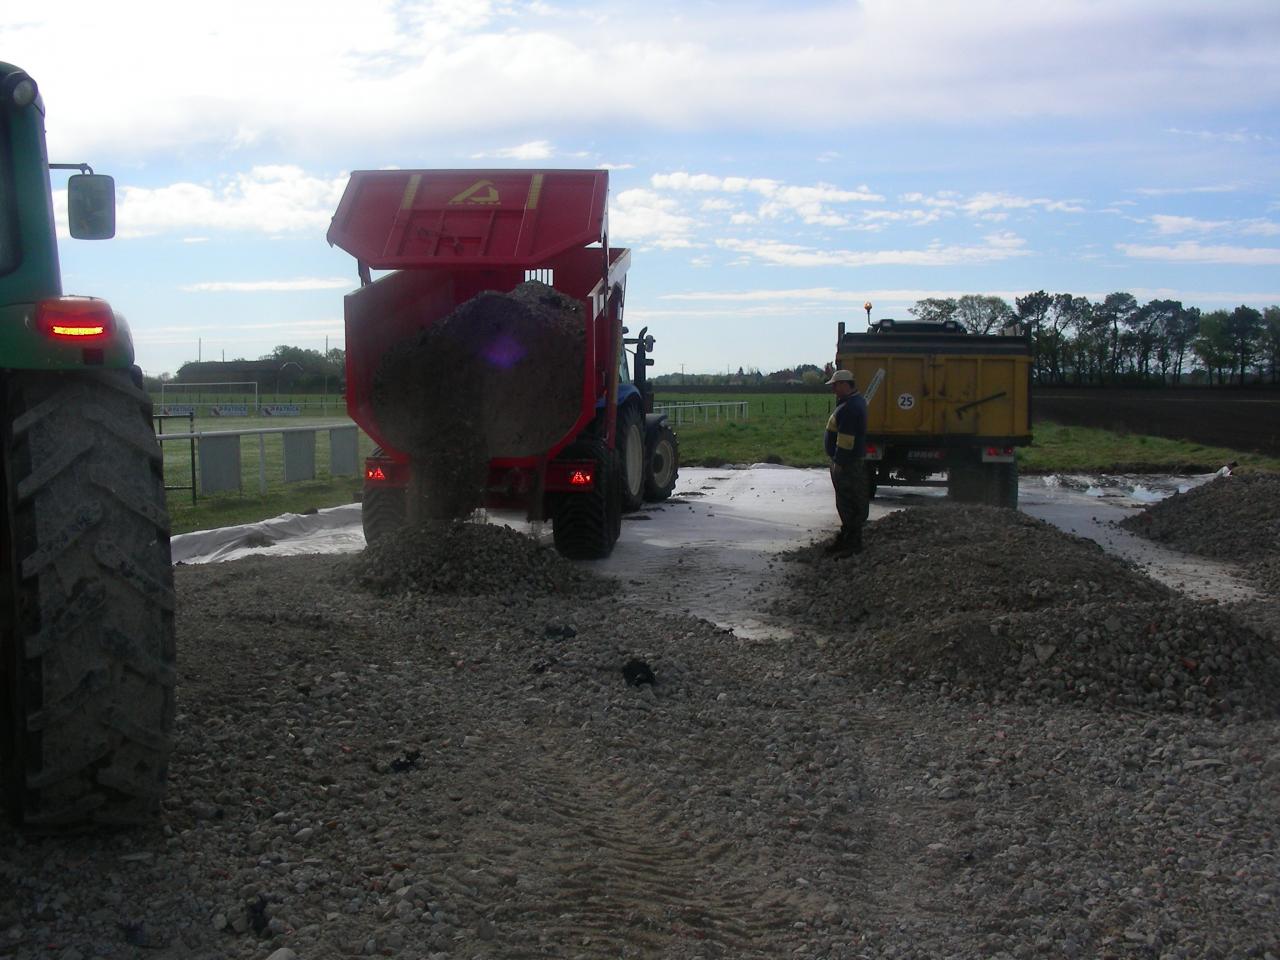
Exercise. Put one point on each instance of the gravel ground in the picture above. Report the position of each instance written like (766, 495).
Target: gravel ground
(1235, 518)
(452, 765)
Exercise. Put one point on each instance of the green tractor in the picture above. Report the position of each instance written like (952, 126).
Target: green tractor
(87, 634)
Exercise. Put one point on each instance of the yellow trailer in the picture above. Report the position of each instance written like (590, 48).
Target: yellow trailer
(942, 400)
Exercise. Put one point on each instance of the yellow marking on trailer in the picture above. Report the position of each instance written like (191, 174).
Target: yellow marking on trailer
(535, 191)
(473, 195)
(410, 191)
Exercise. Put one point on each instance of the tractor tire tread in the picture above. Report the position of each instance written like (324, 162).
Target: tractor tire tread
(658, 483)
(90, 710)
(585, 526)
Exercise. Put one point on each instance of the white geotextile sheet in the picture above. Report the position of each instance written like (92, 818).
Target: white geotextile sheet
(769, 502)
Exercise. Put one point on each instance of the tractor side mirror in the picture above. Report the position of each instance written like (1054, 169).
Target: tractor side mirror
(91, 206)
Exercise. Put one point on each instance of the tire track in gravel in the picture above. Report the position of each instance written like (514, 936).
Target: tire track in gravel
(601, 861)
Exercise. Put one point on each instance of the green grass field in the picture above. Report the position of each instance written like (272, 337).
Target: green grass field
(777, 428)
(256, 459)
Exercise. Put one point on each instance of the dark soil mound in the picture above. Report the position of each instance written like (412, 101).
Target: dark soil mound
(1000, 606)
(501, 376)
(470, 559)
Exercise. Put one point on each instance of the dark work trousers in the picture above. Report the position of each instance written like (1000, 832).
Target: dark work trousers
(852, 502)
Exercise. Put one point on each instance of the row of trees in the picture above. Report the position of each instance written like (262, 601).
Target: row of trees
(295, 369)
(1118, 340)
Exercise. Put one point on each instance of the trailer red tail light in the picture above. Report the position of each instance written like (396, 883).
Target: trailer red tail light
(873, 452)
(78, 319)
(380, 471)
(580, 478)
(998, 455)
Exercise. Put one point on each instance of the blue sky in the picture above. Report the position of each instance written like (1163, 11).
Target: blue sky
(772, 165)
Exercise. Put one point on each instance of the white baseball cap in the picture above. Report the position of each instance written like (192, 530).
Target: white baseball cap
(840, 376)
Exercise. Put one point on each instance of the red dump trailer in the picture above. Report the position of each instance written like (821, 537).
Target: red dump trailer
(448, 236)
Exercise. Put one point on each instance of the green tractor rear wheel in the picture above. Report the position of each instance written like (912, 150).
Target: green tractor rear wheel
(88, 653)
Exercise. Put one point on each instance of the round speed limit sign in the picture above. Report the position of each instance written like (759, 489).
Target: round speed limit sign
(906, 401)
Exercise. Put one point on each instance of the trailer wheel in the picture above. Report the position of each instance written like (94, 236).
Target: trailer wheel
(585, 526)
(966, 483)
(1002, 485)
(631, 457)
(382, 512)
(382, 508)
(88, 647)
(663, 465)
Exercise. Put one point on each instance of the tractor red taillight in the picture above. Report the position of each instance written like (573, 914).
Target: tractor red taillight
(580, 478)
(374, 473)
(78, 319)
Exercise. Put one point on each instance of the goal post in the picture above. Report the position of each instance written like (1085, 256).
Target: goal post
(228, 398)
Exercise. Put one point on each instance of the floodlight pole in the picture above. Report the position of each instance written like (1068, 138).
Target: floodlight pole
(867, 307)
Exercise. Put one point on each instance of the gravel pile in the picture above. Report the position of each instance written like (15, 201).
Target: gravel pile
(470, 559)
(423, 774)
(993, 604)
(1234, 518)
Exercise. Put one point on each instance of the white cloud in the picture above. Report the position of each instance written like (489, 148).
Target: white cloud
(327, 75)
(1170, 225)
(1179, 191)
(1189, 251)
(1225, 136)
(1256, 227)
(990, 205)
(1000, 246)
(875, 219)
(267, 199)
(533, 150)
(1260, 228)
(812, 205)
(764, 186)
(261, 286)
(641, 216)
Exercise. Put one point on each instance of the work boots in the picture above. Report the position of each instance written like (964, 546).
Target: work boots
(846, 543)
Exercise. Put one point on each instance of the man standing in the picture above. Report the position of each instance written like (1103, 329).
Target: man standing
(846, 442)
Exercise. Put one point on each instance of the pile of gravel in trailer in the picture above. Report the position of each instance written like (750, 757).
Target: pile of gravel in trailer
(994, 604)
(501, 376)
(1235, 518)
(461, 558)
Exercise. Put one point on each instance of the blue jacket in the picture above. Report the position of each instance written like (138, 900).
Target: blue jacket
(846, 437)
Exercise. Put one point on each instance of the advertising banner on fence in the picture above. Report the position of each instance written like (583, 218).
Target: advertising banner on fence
(178, 410)
(281, 410)
(229, 410)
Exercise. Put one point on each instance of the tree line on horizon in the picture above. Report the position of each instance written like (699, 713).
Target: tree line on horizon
(1074, 341)
(1117, 340)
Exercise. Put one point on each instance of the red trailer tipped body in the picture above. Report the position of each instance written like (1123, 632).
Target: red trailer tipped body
(447, 236)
